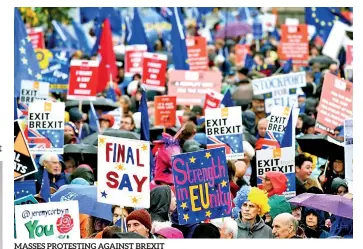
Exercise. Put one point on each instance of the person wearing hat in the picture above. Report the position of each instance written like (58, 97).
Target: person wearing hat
(258, 107)
(278, 205)
(274, 183)
(313, 222)
(139, 221)
(76, 118)
(243, 74)
(339, 186)
(169, 233)
(206, 231)
(106, 121)
(162, 203)
(250, 205)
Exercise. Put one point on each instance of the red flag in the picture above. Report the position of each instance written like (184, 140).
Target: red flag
(108, 59)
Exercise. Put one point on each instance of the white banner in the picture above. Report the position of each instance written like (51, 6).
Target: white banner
(123, 172)
(53, 220)
(273, 83)
(32, 91)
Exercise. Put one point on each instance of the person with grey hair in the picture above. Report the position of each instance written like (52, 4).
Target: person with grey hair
(125, 104)
(50, 163)
(227, 227)
(285, 226)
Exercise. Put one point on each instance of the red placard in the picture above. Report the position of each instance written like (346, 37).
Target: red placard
(212, 99)
(154, 69)
(197, 53)
(335, 104)
(349, 54)
(191, 87)
(83, 79)
(165, 110)
(294, 44)
(241, 50)
(36, 37)
(134, 55)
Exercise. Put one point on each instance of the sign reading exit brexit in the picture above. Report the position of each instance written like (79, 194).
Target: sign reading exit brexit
(202, 185)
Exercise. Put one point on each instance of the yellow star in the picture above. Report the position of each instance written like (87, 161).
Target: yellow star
(144, 147)
(101, 140)
(207, 155)
(192, 159)
(208, 214)
(134, 200)
(183, 205)
(224, 183)
(186, 217)
(120, 166)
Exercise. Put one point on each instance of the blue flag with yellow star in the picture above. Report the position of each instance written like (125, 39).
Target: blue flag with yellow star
(201, 186)
(26, 66)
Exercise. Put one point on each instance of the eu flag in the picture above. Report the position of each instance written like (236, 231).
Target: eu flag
(62, 38)
(323, 19)
(287, 138)
(93, 119)
(138, 35)
(179, 49)
(287, 67)
(82, 37)
(24, 188)
(227, 100)
(26, 65)
(45, 188)
(110, 94)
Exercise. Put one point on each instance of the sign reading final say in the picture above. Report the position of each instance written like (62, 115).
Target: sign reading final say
(123, 172)
(224, 129)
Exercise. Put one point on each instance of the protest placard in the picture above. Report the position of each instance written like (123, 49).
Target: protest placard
(348, 152)
(134, 55)
(46, 127)
(23, 161)
(190, 87)
(197, 53)
(223, 127)
(279, 160)
(282, 97)
(294, 44)
(29, 199)
(241, 51)
(33, 90)
(212, 99)
(123, 172)
(24, 188)
(335, 104)
(165, 111)
(201, 186)
(53, 220)
(277, 122)
(54, 67)
(154, 69)
(83, 80)
(274, 83)
(36, 36)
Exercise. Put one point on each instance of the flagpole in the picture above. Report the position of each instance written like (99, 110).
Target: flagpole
(122, 219)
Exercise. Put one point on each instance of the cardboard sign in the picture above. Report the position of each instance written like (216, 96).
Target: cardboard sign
(190, 87)
(336, 104)
(283, 97)
(277, 122)
(53, 220)
(54, 67)
(197, 53)
(154, 70)
(223, 127)
(36, 37)
(241, 51)
(212, 99)
(280, 160)
(165, 110)
(268, 22)
(294, 44)
(83, 80)
(46, 127)
(348, 152)
(23, 161)
(349, 55)
(257, 30)
(24, 188)
(201, 186)
(123, 172)
(33, 90)
(279, 82)
(29, 199)
(134, 55)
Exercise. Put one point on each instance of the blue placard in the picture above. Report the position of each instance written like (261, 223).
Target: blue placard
(201, 185)
(29, 199)
(24, 188)
(257, 30)
(55, 68)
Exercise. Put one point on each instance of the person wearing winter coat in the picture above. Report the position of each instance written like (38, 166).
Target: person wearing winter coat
(251, 205)
(313, 222)
(162, 203)
(335, 169)
(274, 182)
(303, 170)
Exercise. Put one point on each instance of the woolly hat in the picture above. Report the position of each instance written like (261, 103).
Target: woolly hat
(108, 118)
(278, 205)
(206, 231)
(254, 195)
(278, 181)
(337, 182)
(170, 233)
(75, 115)
(141, 216)
(127, 236)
